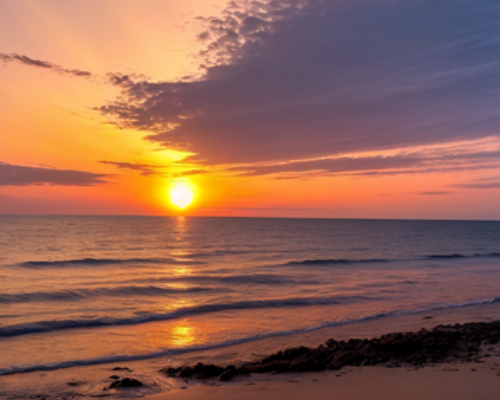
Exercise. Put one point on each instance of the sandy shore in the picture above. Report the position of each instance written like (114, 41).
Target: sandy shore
(470, 381)
(459, 362)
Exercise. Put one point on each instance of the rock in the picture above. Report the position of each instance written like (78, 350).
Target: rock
(126, 383)
(75, 383)
(186, 372)
(121, 369)
(307, 364)
(229, 373)
(172, 372)
(114, 377)
(202, 371)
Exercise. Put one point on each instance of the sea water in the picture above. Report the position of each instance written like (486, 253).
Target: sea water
(97, 291)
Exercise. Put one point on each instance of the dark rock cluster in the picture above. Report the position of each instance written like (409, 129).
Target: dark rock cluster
(126, 383)
(202, 371)
(441, 344)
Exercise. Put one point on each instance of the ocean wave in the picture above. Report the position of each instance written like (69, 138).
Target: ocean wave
(82, 294)
(260, 251)
(188, 260)
(260, 279)
(220, 253)
(342, 261)
(244, 279)
(337, 261)
(456, 255)
(228, 343)
(53, 325)
(106, 261)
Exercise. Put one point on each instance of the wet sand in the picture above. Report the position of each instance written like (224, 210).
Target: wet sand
(469, 381)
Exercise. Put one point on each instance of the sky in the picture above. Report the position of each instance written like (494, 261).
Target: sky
(289, 108)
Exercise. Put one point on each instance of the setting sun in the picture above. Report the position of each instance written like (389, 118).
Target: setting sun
(181, 196)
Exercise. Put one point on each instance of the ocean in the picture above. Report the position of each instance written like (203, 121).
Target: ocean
(81, 295)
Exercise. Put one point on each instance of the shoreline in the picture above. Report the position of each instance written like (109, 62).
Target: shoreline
(460, 361)
(443, 343)
(82, 382)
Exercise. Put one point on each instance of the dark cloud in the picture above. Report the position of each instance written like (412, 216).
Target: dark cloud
(296, 79)
(19, 175)
(22, 59)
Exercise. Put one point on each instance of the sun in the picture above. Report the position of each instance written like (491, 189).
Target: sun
(181, 196)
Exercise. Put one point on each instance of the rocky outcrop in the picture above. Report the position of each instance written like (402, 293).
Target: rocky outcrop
(441, 344)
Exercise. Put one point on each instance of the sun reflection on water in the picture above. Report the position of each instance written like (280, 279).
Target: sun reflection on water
(180, 334)
(181, 271)
(179, 286)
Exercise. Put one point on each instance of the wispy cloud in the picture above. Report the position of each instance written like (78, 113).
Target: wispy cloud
(465, 156)
(436, 193)
(333, 165)
(481, 185)
(20, 175)
(173, 170)
(22, 59)
(143, 168)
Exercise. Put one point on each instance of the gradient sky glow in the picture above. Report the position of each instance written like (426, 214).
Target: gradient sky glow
(289, 108)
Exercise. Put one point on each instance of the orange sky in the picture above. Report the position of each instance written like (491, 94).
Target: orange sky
(49, 121)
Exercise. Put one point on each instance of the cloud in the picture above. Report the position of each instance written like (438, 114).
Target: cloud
(193, 172)
(435, 193)
(144, 169)
(22, 59)
(335, 165)
(20, 175)
(452, 159)
(175, 170)
(295, 79)
(480, 185)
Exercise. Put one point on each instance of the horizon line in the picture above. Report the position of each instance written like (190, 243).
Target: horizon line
(251, 217)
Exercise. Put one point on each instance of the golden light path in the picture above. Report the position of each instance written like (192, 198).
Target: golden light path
(181, 196)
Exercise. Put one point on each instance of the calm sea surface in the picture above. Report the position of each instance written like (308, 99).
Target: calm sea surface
(91, 290)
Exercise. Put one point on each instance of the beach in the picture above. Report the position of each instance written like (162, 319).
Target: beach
(440, 382)
(460, 379)
(446, 362)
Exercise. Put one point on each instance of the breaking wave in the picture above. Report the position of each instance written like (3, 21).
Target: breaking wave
(82, 294)
(106, 261)
(233, 342)
(53, 325)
